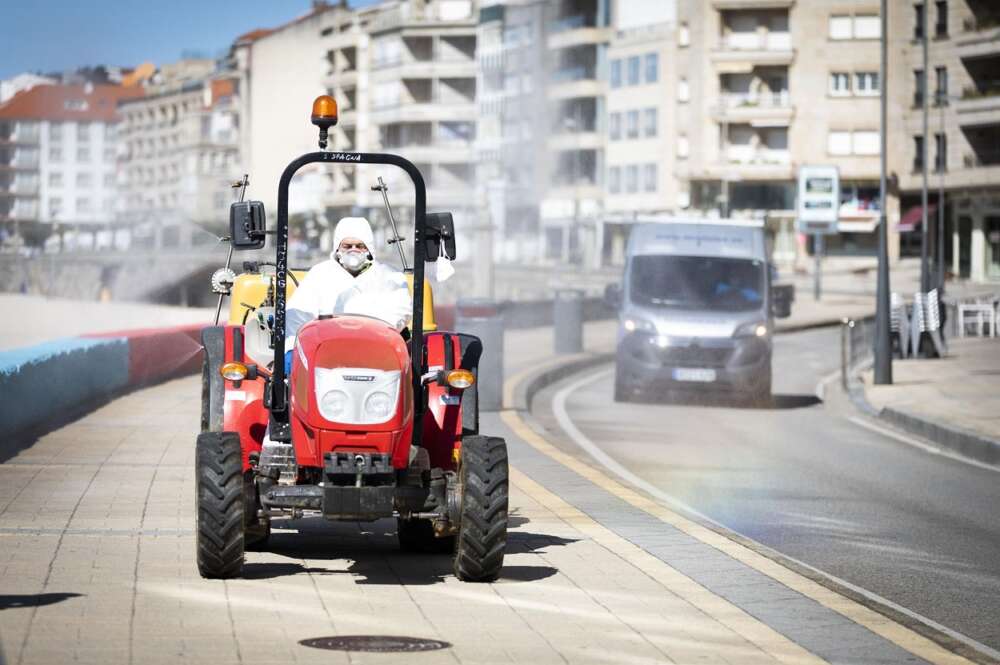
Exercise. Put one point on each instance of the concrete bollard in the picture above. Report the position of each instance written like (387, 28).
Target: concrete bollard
(567, 321)
(482, 317)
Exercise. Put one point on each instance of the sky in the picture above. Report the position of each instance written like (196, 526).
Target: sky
(58, 35)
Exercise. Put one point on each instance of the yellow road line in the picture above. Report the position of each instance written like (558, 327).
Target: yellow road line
(754, 631)
(879, 624)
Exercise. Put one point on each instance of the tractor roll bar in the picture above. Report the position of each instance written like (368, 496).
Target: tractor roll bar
(278, 397)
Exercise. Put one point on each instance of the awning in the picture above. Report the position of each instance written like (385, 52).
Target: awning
(913, 218)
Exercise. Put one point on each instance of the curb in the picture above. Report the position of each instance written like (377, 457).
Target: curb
(962, 442)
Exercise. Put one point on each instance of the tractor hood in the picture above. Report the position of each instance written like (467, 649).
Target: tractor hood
(351, 374)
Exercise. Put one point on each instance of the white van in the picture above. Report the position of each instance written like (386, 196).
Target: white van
(695, 309)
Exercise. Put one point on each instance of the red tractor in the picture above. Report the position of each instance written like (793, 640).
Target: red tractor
(369, 424)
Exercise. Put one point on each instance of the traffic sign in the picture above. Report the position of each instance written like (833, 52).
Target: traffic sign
(818, 199)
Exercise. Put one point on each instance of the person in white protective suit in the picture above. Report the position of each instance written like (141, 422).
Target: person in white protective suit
(352, 281)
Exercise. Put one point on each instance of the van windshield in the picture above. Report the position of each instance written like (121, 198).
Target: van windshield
(697, 282)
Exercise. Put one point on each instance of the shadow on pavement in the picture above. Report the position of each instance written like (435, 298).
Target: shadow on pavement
(373, 555)
(709, 400)
(16, 601)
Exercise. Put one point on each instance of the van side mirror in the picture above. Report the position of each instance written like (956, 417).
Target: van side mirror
(247, 228)
(782, 297)
(440, 229)
(613, 296)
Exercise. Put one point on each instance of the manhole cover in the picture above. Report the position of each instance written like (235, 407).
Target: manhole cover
(375, 643)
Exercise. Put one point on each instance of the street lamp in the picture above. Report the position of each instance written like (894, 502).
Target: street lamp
(883, 346)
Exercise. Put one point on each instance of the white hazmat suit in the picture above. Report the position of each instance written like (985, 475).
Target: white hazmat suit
(379, 290)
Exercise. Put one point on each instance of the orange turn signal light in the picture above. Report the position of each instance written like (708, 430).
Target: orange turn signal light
(234, 371)
(324, 111)
(460, 378)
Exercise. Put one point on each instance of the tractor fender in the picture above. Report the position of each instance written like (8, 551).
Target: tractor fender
(449, 411)
(212, 388)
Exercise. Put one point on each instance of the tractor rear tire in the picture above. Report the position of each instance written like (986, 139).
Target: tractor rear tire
(220, 499)
(482, 532)
(417, 536)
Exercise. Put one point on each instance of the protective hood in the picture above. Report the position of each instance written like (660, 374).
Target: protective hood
(353, 227)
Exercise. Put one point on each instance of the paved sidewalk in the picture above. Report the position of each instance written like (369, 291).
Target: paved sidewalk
(961, 391)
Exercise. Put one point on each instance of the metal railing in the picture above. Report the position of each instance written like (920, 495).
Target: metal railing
(857, 347)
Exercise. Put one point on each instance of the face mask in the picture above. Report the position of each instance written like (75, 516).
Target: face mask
(443, 266)
(353, 260)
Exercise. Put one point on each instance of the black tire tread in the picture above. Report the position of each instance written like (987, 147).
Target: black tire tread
(482, 535)
(220, 502)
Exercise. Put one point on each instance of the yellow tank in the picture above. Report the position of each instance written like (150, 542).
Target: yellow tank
(251, 289)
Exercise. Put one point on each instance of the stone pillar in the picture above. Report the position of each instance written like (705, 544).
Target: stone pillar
(977, 249)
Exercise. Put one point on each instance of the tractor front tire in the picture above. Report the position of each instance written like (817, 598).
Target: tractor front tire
(482, 532)
(417, 536)
(220, 499)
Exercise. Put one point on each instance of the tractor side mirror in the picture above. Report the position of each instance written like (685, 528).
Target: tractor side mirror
(247, 228)
(440, 229)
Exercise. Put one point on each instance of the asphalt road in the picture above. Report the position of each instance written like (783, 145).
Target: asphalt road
(918, 529)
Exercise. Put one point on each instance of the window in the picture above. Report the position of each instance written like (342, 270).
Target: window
(918, 87)
(108, 205)
(109, 154)
(109, 179)
(83, 204)
(83, 132)
(616, 73)
(683, 147)
(615, 126)
(649, 122)
(55, 206)
(84, 180)
(838, 143)
(649, 177)
(633, 70)
(683, 35)
(941, 152)
(866, 83)
(941, 25)
(941, 93)
(55, 131)
(867, 26)
(683, 90)
(83, 155)
(865, 143)
(918, 21)
(840, 27)
(55, 179)
(55, 154)
(918, 153)
(840, 83)
(631, 178)
(632, 124)
(652, 67)
(614, 179)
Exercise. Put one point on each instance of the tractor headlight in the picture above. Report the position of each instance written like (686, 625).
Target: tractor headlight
(379, 405)
(357, 395)
(334, 404)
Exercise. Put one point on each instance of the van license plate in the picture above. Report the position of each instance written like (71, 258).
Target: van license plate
(690, 374)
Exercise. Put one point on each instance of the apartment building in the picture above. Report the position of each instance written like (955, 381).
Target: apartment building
(961, 146)
(179, 154)
(58, 159)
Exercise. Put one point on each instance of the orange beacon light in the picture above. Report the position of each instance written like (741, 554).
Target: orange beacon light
(324, 116)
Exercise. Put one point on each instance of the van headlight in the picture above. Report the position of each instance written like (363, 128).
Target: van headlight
(357, 395)
(632, 324)
(752, 329)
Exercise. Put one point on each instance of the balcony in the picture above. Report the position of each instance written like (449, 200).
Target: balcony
(754, 48)
(577, 30)
(573, 82)
(20, 163)
(21, 136)
(424, 111)
(576, 141)
(979, 106)
(748, 162)
(767, 109)
(414, 68)
(752, 4)
(442, 152)
(19, 189)
(342, 79)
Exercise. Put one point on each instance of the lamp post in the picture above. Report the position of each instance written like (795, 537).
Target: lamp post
(883, 347)
(925, 278)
